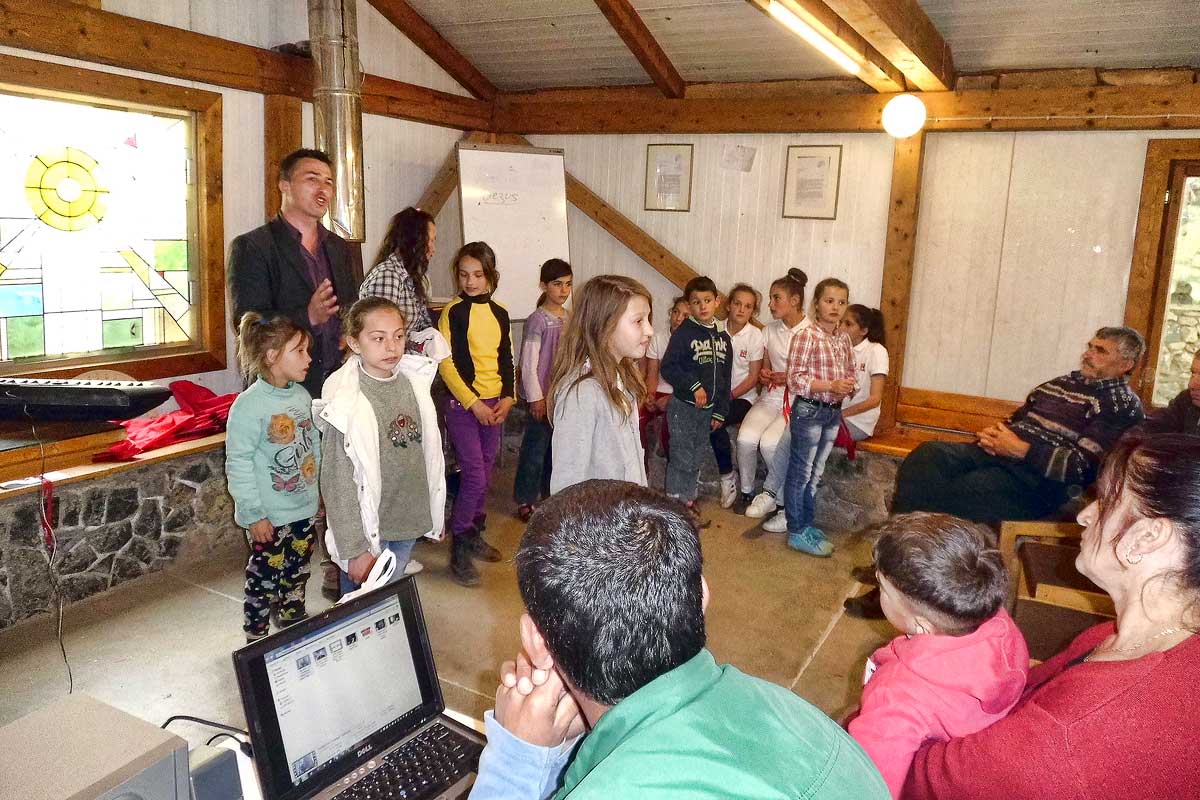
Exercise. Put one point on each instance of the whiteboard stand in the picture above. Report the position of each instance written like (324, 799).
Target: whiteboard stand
(515, 199)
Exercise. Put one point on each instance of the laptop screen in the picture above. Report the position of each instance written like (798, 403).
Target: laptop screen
(329, 693)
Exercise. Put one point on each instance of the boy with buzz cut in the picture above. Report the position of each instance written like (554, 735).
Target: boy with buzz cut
(697, 365)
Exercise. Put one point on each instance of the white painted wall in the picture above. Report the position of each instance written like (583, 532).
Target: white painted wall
(1023, 251)
(735, 230)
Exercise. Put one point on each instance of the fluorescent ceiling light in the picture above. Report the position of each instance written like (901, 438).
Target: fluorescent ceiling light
(811, 35)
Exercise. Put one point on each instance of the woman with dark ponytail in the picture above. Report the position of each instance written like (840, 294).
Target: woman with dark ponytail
(865, 327)
(1114, 713)
(400, 271)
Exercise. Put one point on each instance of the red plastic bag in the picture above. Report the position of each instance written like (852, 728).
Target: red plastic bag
(201, 413)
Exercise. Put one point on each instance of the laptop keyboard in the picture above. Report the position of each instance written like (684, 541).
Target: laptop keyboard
(424, 766)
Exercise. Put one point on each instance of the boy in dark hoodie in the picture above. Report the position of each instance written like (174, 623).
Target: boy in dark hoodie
(697, 365)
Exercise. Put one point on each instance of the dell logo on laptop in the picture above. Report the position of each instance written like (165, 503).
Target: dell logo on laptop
(362, 751)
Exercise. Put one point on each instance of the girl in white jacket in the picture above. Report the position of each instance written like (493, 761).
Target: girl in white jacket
(383, 479)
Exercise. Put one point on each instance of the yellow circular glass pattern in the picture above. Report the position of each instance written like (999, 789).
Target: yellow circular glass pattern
(65, 189)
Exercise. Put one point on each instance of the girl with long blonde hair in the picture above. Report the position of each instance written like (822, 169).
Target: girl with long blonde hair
(596, 385)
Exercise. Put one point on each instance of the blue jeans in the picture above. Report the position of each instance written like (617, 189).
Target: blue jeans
(778, 468)
(813, 430)
(402, 551)
(690, 427)
(533, 466)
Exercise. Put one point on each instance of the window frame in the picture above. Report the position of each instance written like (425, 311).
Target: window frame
(1153, 244)
(207, 352)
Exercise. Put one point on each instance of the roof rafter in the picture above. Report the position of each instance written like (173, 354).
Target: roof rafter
(903, 33)
(637, 37)
(874, 70)
(406, 20)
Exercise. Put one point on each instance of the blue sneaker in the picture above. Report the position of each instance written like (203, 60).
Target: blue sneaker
(811, 541)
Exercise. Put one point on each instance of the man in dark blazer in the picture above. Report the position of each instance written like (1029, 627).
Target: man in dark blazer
(295, 267)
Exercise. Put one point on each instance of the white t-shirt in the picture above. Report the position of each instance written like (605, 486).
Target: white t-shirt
(656, 350)
(748, 345)
(778, 341)
(870, 358)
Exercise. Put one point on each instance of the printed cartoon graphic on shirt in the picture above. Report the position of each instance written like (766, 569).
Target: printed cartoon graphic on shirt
(294, 464)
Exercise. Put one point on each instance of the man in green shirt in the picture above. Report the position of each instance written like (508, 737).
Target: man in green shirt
(617, 696)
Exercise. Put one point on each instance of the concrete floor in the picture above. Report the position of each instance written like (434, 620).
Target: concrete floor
(161, 645)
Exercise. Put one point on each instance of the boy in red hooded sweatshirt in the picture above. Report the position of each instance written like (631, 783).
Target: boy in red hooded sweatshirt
(961, 663)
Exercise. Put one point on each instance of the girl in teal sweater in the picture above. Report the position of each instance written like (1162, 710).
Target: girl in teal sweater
(272, 455)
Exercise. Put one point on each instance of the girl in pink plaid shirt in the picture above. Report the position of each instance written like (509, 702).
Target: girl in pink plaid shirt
(820, 374)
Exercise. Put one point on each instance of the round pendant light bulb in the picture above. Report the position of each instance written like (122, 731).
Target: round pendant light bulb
(903, 115)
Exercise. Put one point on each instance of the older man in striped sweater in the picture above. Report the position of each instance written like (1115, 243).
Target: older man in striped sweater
(1049, 450)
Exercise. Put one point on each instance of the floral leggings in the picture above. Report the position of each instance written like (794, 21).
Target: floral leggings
(276, 575)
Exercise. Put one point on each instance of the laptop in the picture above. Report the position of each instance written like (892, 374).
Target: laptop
(347, 705)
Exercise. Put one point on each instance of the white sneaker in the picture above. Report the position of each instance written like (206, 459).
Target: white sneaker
(777, 523)
(413, 567)
(729, 490)
(761, 505)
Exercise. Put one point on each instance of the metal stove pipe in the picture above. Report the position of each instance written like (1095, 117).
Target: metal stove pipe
(337, 107)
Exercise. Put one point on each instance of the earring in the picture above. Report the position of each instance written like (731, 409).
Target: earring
(1132, 557)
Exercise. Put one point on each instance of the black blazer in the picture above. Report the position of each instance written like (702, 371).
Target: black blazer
(267, 273)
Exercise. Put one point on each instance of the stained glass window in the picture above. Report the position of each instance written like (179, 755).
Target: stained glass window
(96, 229)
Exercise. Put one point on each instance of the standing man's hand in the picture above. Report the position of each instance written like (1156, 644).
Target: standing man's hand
(323, 304)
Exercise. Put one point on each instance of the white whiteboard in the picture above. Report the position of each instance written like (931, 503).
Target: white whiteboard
(515, 199)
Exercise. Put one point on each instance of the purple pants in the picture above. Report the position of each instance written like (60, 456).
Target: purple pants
(476, 446)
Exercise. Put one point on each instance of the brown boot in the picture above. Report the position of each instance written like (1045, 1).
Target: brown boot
(483, 551)
(462, 569)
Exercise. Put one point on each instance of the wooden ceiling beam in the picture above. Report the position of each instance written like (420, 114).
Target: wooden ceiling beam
(1091, 108)
(445, 180)
(65, 28)
(903, 33)
(874, 69)
(406, 20)
(389, 98)
(637, 37)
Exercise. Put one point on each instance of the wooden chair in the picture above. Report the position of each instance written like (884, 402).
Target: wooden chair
(1049, 600)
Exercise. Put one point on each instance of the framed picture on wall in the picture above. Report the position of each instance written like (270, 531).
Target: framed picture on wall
(668, 177)
(810, 181)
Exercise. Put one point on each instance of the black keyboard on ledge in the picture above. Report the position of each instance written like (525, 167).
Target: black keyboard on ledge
(424, 766)
(50, 399)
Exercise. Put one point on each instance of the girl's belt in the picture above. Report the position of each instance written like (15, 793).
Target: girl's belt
(818, 403)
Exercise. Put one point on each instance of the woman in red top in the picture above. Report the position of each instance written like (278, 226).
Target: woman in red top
(1115, 714)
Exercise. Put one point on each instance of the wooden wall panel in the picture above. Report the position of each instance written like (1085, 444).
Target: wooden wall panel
(736, 230)
(282, 133)
(957, 263)
(1032, 253)
(1067, 251)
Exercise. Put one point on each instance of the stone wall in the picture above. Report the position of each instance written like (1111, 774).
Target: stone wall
(1180, 341)
(852, 495)
(113, 529)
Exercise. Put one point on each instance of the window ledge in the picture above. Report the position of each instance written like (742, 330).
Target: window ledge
(88, 471)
